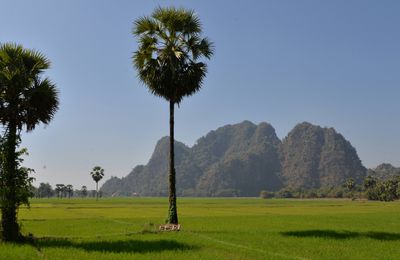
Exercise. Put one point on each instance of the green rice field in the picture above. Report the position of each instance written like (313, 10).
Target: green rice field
(237, 228)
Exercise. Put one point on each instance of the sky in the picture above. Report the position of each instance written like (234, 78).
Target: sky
(331, 63)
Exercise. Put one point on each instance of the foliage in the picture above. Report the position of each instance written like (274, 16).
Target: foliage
(350, 184)
(69, 190)
(84, 191)
(26, 100)
(23, 181)
(97, 174)
(369, 182)
(266, 194)
(284, 193)
(21, 190)
(44, 190)
(381, 189)
(170, 46)
(60, 189)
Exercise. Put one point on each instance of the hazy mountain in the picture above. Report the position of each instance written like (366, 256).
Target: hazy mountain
(316, 157)
(151, 179)
(384, 171)
(242, 160)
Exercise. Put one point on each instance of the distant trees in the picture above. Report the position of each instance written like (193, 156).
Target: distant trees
(84, 191)
(44, 190)
(60, 190)
(372, 189)
(384, 190)
(266, 194)
(97, 174)
(26, 99)
(69, 190)
(167, 61)
(350, 186)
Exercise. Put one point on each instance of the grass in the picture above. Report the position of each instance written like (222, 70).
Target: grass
(126, 228)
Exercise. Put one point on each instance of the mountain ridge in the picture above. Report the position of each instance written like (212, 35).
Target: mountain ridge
(384, 171)
(243, 159)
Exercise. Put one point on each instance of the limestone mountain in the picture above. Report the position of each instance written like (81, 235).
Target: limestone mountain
(240, 159)
(316, 157)
(243, 159)
(384, 171)
(151, 179)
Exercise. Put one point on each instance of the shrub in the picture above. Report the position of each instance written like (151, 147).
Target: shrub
(266, 194)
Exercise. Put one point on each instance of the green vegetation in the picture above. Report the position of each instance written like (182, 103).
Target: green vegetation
(211, 229)
(26, 99)
(83, 192)
(44, 191)
(168, 63)
(97, 174)
(382, 189)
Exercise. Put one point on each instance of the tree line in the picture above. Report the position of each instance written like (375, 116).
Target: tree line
(45, 190)
(372, 188)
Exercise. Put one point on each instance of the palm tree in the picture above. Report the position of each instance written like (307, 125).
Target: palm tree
(59, 190)
(84, 191)
(97, 175)
(70, 189)
(167, 61)
(26, 99)
(350, 185)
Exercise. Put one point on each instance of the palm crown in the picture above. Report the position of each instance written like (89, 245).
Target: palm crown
(25, 98)
(170, 46)
(97, 173)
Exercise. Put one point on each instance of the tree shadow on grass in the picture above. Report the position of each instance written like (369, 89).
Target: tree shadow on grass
(117, 246)
(384, 236)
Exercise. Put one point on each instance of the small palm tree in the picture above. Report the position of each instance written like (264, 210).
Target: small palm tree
(167, 61)
(59, 190)
(97, 174)
(70, 190)
(84, 191)
(26, 100)
(350, 185)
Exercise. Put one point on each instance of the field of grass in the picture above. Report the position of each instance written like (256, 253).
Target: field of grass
(211, 229)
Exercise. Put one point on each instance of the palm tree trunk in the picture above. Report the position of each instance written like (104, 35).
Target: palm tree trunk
(172, 213)
(97, 190)
(10, 227)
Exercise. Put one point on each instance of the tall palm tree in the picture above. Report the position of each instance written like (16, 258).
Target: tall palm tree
(26, 99)
(97, 174)
(168, 63)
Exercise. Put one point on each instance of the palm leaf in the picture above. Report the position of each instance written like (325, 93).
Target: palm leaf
(170, 46)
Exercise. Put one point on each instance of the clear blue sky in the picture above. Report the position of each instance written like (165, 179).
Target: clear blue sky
(332, 63)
